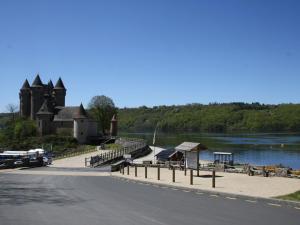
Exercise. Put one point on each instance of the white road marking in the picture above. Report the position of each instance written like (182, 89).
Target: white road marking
(186, 191)
(251, 201)
(213, 195)
(174, 189)
(199, 193)
(231, 198)
(297, 208)
(272, 204)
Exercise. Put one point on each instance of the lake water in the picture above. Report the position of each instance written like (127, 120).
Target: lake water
(253, 148)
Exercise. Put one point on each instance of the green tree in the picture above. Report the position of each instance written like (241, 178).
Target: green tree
(102, 109)
(25, 129)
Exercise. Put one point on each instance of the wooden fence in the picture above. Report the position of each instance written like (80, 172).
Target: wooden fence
(130, 145)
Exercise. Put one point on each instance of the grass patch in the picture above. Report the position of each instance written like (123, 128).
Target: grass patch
(292, 197)
(113, 146)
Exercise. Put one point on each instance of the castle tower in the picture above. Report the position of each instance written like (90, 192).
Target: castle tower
(59, 93)
(44, 119)
(25, 101)
(81, 125)
(37, 96)
(114, 126)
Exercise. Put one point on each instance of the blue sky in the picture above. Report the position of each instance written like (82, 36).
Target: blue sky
(155, 52)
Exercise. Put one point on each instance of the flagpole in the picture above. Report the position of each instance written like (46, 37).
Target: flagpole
(154, 139)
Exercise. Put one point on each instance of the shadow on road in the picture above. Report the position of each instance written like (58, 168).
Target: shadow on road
(20, 193)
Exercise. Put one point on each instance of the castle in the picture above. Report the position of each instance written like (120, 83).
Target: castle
(45, 103)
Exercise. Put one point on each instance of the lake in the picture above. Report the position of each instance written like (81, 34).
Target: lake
(253, 148)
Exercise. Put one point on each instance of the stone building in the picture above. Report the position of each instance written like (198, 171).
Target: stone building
(45, 103)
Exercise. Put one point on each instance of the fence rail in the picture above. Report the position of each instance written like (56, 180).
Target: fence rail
(129, 145)
(77, 153)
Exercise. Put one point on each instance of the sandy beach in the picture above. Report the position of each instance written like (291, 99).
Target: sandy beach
(233, 183)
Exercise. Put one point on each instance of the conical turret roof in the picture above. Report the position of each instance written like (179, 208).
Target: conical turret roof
(25, 85)
(59, 84)
(50, 84)
(81, 113)
(44, 108)
(37, 81)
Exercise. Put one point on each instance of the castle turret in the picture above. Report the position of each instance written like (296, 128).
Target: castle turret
(44, 119)
(25, 100)
(49, 97)
(114, 126)
(59, 92)
(50, 85)
(81, 125)
(37, 96)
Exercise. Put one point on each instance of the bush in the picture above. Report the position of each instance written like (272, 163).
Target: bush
(24, 129)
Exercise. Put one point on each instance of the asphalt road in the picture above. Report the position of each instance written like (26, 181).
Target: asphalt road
(82, 200)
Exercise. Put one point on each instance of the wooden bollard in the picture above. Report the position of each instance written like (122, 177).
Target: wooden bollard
(191, 177)
(135, 170)
(127, 169)
(146, 175)
(173, 175)
(120, 168)
(123, 169)
(185, 171)
(158, 172)
(213, 178)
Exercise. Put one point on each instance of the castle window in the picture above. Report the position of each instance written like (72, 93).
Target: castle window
(81, 121)
(39, 123)
(81, 133)
(61, 123)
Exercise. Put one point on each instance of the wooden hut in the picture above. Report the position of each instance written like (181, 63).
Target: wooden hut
(169, 155)
(191, 152)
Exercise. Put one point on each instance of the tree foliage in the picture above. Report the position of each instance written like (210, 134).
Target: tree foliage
(102, 109)
(212, 118)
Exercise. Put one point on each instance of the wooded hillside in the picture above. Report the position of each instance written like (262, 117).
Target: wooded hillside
(212, 118)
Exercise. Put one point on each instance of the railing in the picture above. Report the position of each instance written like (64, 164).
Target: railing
(72, 154)
(129, 145)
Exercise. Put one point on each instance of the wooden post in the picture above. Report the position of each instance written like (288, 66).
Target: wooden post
(135, 170)
(184, 163)
(127, 169)
(146, 172)
(158, 172)
(173, 175)
(191, 177)
(198, 163)
(213, 178)
(123, 169)
(120, 168)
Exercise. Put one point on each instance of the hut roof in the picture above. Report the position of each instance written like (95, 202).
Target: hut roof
(190, 146)
(166, 154)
